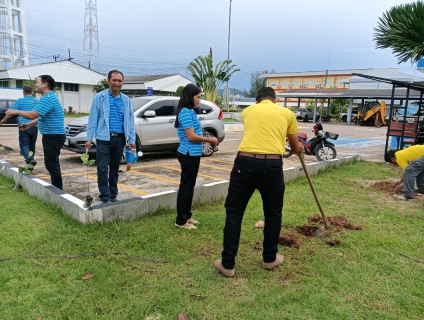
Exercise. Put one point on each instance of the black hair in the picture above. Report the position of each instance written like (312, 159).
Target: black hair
(265, 93)
(389, 155)
(109, 75)
(27, 89)
(49, 79)
(186, 99)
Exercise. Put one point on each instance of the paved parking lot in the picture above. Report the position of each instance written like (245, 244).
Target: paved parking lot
(158, 172)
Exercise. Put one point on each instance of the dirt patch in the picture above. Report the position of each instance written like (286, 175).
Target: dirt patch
(289, 239)
(389, 186)
(333, 242)
(337, 221)
(306, 230)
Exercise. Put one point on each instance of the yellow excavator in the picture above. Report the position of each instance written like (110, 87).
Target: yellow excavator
(372, 113)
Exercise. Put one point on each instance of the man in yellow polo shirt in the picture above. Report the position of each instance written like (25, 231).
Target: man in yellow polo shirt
(411, 161)
(258, 165)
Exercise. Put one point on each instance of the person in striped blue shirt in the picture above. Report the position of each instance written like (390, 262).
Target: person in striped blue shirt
(190, 132)
(49, 116)
(111, 121)
(27, 138)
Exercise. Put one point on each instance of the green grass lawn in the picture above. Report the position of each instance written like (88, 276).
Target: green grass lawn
(75, 115)
(375, 273)
(230, 120)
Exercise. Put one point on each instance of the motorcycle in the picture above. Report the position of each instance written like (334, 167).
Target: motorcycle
(318, 145)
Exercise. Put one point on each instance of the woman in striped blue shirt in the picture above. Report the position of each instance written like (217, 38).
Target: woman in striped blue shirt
(188, 154)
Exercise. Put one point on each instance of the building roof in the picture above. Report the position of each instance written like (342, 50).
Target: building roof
(62, 71)
(147, 78)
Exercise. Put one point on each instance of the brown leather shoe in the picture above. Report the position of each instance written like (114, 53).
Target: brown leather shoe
(225, 272)
(271, 265)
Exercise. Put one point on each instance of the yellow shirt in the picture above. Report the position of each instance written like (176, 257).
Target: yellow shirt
(266, 125)
(405, 156)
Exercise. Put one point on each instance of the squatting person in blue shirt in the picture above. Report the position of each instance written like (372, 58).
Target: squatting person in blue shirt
(111, 121)
(49, 116)
(28, 137)
(191, 137)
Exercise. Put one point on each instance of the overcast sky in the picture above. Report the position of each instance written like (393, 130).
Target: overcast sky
(163, 36)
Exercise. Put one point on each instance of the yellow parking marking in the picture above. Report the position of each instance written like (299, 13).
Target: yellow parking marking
(214, 167)
(199, 174)
(155, 177)
(122, 186)
(222, 161)
(40, 157)
(70, 174)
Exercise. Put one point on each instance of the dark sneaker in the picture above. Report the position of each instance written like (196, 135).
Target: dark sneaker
(225, 272)
(114, 199)
(271, 265)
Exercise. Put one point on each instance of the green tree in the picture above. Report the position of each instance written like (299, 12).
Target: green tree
(338, 105)
(179, 91)
(101, 85)
(208, 77)
(31, 82)
(401, 29)
(256, 82)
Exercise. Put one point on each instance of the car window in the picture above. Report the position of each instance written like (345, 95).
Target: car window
(203, 109)
(11, 103)
(164, 108)
(3, 105)
(138, 103)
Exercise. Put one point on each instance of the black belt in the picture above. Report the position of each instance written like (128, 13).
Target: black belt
(259, 156)
(117, 134)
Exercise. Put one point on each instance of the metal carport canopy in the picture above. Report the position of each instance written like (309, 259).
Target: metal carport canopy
(382, 94)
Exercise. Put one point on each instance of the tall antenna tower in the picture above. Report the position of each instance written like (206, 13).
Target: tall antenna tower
(13, 38)
(91, 35)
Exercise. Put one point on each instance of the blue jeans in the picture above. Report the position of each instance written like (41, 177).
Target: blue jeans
(108, 157)
(27, 140)
(248, 174)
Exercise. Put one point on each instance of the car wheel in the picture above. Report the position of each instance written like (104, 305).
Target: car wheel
(305, 119)
(344, 118)
(208, 149)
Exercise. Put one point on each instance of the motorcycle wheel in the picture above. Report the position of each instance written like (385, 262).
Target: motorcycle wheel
(287, 154)
(328, 152)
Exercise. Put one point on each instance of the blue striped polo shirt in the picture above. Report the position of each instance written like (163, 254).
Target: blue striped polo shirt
(187, 119)
(27, 103)
(52, 118)
(116, 116)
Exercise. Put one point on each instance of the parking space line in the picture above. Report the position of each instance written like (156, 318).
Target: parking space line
(214, 167)
(151, 165)
(199, 174)
(155, 177)
(41, 157)
(122, 186)
(222, 161)
(70, 174)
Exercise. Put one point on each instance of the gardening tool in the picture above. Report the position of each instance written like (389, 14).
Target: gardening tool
(324, 217)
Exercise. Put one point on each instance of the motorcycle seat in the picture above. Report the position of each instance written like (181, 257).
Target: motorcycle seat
(302, 136)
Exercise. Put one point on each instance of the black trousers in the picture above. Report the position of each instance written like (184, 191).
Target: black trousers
(248, 174)
(189, 169)
(108, 157)
(52, 143)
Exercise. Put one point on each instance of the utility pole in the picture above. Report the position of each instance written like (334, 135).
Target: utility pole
(91, 34)
(227, 89)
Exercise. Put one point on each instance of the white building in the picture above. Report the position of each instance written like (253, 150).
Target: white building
(76, 82)
(161, 84)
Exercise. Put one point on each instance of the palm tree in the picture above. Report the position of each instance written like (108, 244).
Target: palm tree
(402, 29)
(208, 77)
(101, 85)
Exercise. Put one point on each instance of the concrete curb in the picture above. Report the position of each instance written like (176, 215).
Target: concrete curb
(134, 208)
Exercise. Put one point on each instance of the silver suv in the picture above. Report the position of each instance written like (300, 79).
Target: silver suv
(154, 119)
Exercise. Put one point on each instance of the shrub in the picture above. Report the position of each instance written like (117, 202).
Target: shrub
(70, 109)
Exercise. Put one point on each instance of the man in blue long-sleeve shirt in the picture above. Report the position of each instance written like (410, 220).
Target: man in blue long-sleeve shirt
(111, 121)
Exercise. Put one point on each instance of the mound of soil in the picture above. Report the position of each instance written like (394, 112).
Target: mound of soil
(337, 221)
(306, 230)
(388, 186)
(289, 239)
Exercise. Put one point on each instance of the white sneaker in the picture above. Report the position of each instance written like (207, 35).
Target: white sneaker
(400, 197)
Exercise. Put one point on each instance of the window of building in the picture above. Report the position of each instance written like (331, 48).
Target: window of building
(285, 83)
(4, 84)
(19, 84)
(71, 87)
(59, 85)
(274, 84)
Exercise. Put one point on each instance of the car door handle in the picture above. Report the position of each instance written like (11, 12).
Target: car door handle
(201, 118)
(171, 120)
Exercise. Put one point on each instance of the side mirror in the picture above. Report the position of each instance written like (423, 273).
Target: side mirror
(149, 114)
